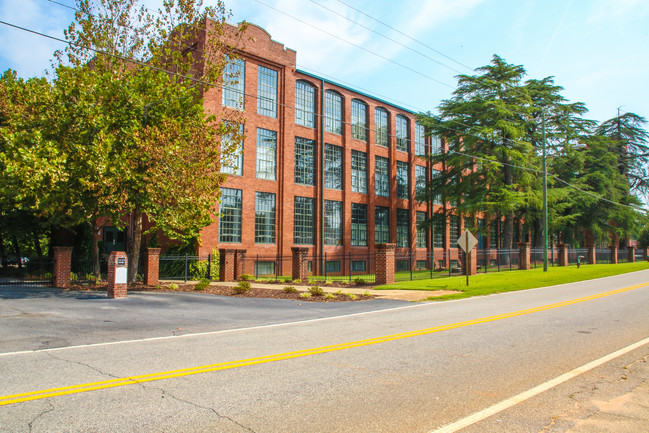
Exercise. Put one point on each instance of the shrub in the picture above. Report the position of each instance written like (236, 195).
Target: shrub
(328, 283)
(297, 281)
(316, 291)
(242, 287)
(290, 289)
(158, 287)
(366, 294)
(73, 276)
(305, 295)
(330, 296)
(359, 281)
(351, 296)
(288, 280)
(202, 284)
(173, 286)
(338, 292)
(246, 277)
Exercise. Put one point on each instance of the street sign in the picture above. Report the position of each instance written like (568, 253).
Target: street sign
(467, 241)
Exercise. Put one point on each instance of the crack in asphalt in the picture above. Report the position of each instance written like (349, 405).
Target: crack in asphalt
(191, 403)
(43, 412)
(83, 364)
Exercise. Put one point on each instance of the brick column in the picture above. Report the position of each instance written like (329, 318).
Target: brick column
(152, 270)
(473, 262)
(563, 255)
(384, 263)
(613, 249)
(592, 254)
(226, 265)
(300, 264)
(631, 254)
(524, 262)
(117, 274)
(62, 266)
(239, 263)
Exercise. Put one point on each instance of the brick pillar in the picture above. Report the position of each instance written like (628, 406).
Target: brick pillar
(473, 262)
(226, 265)
(384, 263)
(300, 264)
(563, 255)
(631, 254)
(239, 263)
(592, 254)
(613, 249)
(524, 262)
(62, 266)
(117, 274)
(152, 270)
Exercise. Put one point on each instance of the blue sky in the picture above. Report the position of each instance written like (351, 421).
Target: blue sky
(596, 49)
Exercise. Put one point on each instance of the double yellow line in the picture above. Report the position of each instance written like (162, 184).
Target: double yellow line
(132, 380)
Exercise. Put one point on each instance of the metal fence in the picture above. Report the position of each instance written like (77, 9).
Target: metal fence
(187, 267)
(25, 271)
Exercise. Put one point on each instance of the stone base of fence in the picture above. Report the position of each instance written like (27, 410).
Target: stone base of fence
(62, 266)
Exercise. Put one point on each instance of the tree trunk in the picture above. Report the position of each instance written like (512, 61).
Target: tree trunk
(39, 251)
(18, 252)
(538, 233)
(134, 253)
(94, 250)
(508, 235)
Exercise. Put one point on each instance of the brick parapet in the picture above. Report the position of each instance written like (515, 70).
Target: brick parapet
(152, 269)
(117, 275)
(62, 266)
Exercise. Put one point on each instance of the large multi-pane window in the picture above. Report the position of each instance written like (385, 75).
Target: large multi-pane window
(304, 161)
(230, 222)
(437, 198)
(422, 231)
(435, 145)
(382, 177)
(420, 179)
(359, 120)
(359, 171)
(264, 217)
(267, 92)
(234, 80)
(303, 221)
(438, 231)
(403, 228)
(359, 225)
(232, 143)
(304, 104)
(382, 225)
(401, 133)
(333, 222)
(381, 127)
(420, 139)
(333, 112)
(454, 230)
(403, 186)
(266, 154)
(333, 167)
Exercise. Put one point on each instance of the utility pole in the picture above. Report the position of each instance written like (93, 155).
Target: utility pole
(545, 197)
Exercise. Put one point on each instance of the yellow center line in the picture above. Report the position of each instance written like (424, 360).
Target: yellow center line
(131, 380)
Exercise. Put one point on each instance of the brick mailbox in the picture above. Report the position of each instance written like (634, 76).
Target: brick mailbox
(117, 274)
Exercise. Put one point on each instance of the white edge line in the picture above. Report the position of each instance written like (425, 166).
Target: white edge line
(276, 325)
(506, 404)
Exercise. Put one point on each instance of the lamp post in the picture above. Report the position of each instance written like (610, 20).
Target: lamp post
(545, 198)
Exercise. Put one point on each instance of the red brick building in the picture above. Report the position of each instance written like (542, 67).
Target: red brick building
(322, 166)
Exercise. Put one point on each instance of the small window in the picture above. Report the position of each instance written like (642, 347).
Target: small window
(332, 266)
(421, 265)
(359, 265)
(403, 265)
(264, 268)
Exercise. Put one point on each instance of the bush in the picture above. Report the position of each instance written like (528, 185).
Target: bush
(338, 292)
(305, 295)
(73, 276)
(351, 296)
(297, 281)
(328, 283)
(173, 286)
(316, 291)
(359, 281)
(202, 284)
(242, 287)
(246, 277)
(366, 294)
(290, 289)
(288, 280)
(330, 296)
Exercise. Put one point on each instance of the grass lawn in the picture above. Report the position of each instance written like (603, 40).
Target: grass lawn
(485, 284)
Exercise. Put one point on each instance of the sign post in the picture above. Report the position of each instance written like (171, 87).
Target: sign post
(467, 242)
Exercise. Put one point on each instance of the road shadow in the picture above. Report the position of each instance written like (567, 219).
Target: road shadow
(36, 292)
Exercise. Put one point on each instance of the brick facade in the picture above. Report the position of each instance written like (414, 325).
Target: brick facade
(62, 266)
(117, 274)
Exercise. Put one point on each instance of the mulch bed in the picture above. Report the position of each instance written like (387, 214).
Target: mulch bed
(228, 291)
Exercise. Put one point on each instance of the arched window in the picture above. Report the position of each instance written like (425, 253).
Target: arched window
(381, 125)
(333, 112)
(402, 133)
(304, 104)
(359, 120)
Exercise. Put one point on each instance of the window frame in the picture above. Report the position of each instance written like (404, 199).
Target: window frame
(359, 171)
(267, 89)
(359, 120)
(304, 155)
(304, 107)
(265, 219)
(402, 133)
(381, 127)
(230, 216)
(266, 154)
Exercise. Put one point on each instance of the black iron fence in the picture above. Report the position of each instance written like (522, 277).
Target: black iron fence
(26, 271)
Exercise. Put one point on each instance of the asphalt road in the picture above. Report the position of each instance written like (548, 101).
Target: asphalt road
(380, 366)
